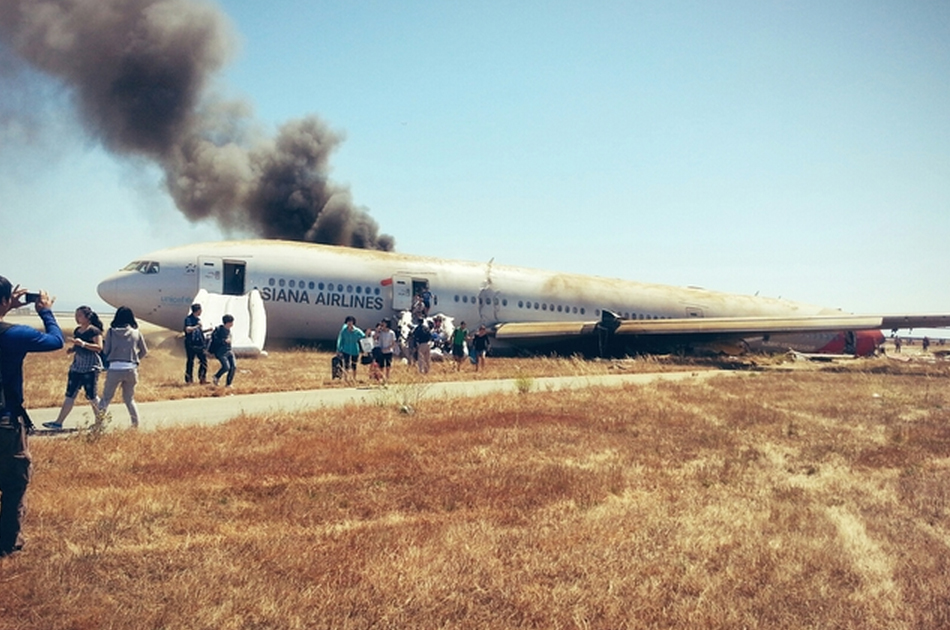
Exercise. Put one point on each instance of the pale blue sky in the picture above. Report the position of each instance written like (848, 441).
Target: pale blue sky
(795, 149)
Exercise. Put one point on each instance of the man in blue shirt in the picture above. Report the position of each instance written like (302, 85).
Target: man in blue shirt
(15, 342)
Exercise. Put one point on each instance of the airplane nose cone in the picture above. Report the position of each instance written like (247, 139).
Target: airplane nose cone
(108, 291)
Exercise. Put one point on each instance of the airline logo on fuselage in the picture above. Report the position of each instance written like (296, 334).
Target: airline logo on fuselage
(322, 298)
(176, 300)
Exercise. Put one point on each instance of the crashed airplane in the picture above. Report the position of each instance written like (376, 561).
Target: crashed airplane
(305, 291)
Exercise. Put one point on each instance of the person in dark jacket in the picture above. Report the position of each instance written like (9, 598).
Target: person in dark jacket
(195, 346)
(480, 346)
(15, 466)
(221, 349)
(423, 342)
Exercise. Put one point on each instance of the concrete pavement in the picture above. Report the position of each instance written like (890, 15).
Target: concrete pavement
(209, 411)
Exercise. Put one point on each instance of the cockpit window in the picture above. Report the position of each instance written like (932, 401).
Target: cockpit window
(142, 266)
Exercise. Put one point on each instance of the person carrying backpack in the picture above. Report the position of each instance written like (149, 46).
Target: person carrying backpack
(195, 345)
(221, 349)
(15, 465)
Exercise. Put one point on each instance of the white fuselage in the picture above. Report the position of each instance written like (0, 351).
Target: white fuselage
(309, 289)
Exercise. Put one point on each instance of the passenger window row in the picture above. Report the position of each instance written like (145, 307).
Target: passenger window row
(481, 301)
(321, 286)
(554, 308)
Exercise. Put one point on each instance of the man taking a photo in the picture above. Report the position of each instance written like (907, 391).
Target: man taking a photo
(15, 342)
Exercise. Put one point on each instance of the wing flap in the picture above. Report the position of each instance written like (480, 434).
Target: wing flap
(543, 330)
(733, 326)
(893, 322)
(710, 327)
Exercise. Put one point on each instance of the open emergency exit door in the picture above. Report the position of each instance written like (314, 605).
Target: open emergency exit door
(402, 293)
(222, 276)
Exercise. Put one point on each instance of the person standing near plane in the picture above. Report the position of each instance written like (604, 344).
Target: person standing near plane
(124, 348)
(86, 365)
(221, 349)
(426, 296)
(195, 346)
(480, 346)
(458, 345)
(387, 345)
(418, 308)
(348, 345)
(423, 339)
(374, 365)
(15, 466)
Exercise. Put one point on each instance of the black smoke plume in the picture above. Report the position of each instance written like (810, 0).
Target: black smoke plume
(141, 74)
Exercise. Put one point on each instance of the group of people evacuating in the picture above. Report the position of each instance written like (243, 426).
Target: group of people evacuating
(200, 341)
(377, 346)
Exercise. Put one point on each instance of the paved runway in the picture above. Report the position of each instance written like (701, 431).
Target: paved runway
(208, 411)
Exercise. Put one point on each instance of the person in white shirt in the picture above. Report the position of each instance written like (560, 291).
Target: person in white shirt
(387, 345)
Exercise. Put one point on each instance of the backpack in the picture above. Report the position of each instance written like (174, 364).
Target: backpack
(196, 339)
(421, 334)
(217, 339)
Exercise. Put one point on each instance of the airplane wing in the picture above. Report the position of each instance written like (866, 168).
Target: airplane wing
(716, 327)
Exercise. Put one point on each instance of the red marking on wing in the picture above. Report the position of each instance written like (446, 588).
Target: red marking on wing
(865, 343)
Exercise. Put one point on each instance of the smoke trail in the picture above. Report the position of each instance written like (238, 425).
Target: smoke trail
(141, 73)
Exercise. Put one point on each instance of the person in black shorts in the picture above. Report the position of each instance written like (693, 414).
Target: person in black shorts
(86, 365)
(480, 344)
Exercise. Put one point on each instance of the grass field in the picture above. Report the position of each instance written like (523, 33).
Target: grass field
(816, 497)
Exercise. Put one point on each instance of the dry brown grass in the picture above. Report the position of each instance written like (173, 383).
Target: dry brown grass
(774, 500)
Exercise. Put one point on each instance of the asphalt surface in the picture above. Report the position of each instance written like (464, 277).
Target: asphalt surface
(209, 411)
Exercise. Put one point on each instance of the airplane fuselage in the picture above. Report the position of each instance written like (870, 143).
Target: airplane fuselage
(309, 289)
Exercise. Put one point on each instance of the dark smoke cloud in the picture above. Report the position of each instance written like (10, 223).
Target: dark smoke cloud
(141, 74)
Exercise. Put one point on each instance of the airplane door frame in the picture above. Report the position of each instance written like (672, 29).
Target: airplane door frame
(210, 274)
(402, 293)
(223, 276)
